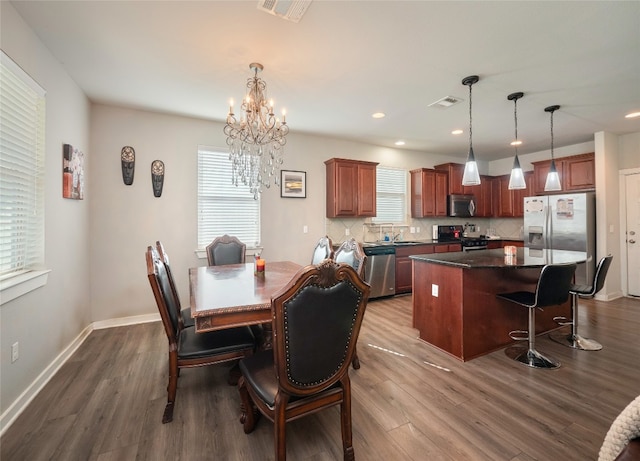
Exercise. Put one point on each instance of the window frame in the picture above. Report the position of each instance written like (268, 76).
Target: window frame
(230, 200)
(23, 152)
(381, 195)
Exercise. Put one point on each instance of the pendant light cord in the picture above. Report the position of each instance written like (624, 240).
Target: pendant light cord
(470, 123)
(552, 135)
(515, 117)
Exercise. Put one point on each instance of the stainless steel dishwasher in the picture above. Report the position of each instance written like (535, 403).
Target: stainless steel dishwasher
(380, 270)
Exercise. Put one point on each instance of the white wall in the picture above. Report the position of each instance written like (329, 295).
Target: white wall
(126, 219)
(629, 151)
(45, 321)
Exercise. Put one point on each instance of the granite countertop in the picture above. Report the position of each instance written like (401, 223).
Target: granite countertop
(525, 257)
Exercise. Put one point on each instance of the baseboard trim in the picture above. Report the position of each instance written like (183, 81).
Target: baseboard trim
(17, 407)
(123, 321)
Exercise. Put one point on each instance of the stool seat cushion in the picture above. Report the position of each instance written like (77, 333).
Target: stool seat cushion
(524, 298)
(579, 290)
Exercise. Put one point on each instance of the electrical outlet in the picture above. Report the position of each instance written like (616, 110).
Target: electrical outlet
(346, 231)
(418, 230)
(15, 352)
(434, 290)
(305, 229)
(412, 230)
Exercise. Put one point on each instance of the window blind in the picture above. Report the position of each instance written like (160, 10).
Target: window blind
(222, 207)
(391, 190)
(22, 134)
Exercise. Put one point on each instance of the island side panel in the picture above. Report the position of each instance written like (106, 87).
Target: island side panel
(466, 319)
(438, 319)
(488, 320)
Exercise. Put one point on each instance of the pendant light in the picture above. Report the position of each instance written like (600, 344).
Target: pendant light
(516, 181)
(553, 180)
(471, 176)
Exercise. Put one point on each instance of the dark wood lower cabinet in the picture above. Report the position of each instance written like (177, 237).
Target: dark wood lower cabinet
(404, 264)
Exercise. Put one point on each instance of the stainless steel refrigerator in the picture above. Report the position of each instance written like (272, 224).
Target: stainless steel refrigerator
(563, 222)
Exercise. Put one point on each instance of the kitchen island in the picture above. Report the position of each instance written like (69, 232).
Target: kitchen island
(454, 297)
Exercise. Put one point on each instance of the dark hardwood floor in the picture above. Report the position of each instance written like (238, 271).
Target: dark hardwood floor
(410, 401)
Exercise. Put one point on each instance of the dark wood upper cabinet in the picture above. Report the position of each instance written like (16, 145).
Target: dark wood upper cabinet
(428, 193)
(510, 203)
(455, 171)
(351, 188)
(577, 173)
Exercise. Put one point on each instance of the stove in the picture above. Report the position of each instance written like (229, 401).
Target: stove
(474, 243)
(456, 234)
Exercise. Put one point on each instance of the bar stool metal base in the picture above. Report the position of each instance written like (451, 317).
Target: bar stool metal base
(531, 358)
(576, 342)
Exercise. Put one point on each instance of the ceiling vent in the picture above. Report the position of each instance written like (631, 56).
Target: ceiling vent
(289, 10)
(445, 102)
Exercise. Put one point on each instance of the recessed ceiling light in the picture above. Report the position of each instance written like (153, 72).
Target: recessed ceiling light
(400, 143)
(457, 132)
(632, 115)
(378, 115)
(516, 143)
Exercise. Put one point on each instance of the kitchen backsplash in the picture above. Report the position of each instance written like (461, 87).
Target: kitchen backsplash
(362, 230)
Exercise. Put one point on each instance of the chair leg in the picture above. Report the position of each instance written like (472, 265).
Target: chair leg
(280, 426)
(345, 420)
(574, 340)
(355, 361)
(249, 416)
(530, 356)
(172, 388)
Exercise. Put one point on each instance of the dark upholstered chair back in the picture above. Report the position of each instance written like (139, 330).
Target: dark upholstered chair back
(322, 251)
(167, 304)
(554, 284)
(601, 274)
(317, 320)
(226, 250)
(164, 257)
(351, 253)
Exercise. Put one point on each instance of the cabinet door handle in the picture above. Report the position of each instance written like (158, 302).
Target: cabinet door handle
(632, 241)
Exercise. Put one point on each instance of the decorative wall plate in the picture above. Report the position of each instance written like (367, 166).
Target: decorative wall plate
(157, 177)
(128, 161)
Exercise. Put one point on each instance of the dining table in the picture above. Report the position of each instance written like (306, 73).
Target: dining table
(234, 295)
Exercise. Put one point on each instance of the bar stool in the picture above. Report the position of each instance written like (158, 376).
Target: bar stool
(573, 339)
(552, 289)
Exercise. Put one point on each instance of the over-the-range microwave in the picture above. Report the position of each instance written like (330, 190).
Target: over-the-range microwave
(461, 206)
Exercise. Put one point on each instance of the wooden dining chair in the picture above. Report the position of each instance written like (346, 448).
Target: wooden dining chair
(226, 250)
(185, 314)
(316, 319)
(323, 250)
(350, 252)
(552, 289)
(188, 349)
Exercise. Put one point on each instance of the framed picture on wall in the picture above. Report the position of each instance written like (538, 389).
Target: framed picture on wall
(72, 172)
(293, 184)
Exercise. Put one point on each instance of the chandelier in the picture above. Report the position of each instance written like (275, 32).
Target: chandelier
(257, 139)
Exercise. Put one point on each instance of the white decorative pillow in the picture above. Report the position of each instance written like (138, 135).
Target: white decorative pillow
(624, 428)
